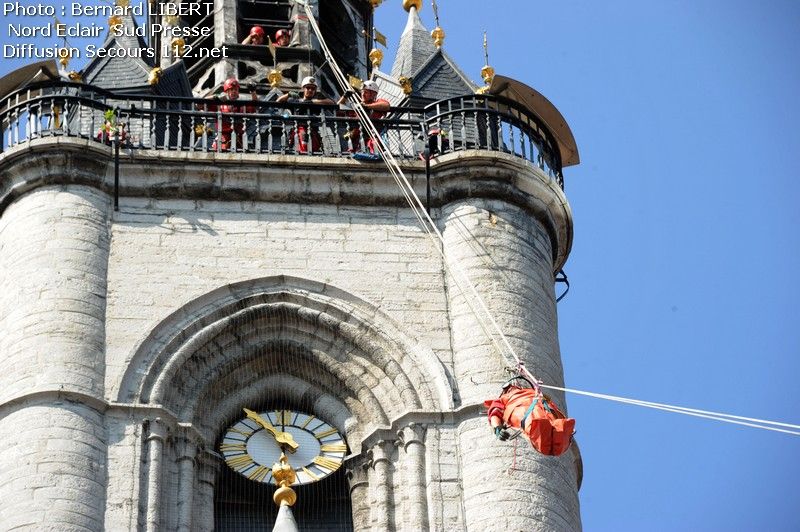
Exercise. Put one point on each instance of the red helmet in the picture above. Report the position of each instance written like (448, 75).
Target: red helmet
(282, 33)
(230, 83)
(257, 31)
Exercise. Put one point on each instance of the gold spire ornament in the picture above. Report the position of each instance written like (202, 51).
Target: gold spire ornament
(487, 72)
(114, 20)
(405, 83)
(438, 36)
(284, 476)
(123, 3)
(274, 77)
(154, 76)
(376, 57)
(375, 3)
(438, 33)
(178, 46)
(408, 4)
(64, 55)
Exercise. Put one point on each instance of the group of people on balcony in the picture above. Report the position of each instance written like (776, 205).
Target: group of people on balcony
(305, 134)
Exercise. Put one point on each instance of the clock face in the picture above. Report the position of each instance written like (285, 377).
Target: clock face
(250, 446)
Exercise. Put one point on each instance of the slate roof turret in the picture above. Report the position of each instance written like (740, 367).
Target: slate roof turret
(435, 76)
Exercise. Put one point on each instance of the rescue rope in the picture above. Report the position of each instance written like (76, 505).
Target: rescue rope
(717, 416)
(476, 303)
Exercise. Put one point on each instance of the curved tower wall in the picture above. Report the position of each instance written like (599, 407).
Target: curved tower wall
(507, 255)
(54, 244)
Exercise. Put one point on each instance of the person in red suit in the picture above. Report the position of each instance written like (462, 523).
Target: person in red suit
(229, 126)
(536, 415)
(309, 96)
(377, 109)
(283, 37)
(255, 37)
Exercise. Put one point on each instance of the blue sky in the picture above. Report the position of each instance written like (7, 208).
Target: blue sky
(685, 263)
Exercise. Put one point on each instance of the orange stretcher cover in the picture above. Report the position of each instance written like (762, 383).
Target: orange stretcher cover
(547, 428)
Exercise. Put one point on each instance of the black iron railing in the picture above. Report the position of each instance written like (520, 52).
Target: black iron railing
(246, 126)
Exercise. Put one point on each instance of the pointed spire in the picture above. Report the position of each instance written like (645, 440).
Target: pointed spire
(285, 521)
(415, 47)
(284, 496)
(129, 40)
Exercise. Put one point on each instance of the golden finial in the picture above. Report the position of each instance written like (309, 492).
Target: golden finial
(438, 36)
(408, 4)
(487, 72)
(284, 476)
(375, 3)
(438, 32)
(355, 82)
(114, 20)
(64, 55)
(274, 77)
(178, 46)
(123, 3)
(155, 76)
(376, 57)
(405, 83)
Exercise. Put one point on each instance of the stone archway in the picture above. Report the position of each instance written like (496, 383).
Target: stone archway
(307, 341)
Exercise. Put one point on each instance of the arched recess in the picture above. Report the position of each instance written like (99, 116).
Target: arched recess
(334, 343)
(304, 342)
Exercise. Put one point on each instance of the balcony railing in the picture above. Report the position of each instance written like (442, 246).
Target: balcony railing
(480, 122)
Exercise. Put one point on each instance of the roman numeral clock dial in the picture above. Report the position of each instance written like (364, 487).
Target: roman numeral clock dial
(314, 448)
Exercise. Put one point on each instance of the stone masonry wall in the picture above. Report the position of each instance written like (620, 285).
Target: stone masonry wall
(53, 257)
(167, 253)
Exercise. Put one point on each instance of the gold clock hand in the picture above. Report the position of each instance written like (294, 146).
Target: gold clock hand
(261, 421)
(287, 439)
(282, 438)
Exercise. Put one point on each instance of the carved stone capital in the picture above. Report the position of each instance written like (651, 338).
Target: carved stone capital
(156, 430)
(380, 452)
(412, 433)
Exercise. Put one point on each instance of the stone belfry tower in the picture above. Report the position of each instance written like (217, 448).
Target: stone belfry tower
(175, 311)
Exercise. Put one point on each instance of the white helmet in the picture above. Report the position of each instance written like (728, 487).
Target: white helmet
(309, 80)
(369, 85)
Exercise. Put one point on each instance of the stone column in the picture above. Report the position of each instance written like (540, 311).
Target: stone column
(380, 479)
(187, 451)
(506, 253)
(207, 470)
(54, 246)
(357, 478)
(412, 465)
(154, 450)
